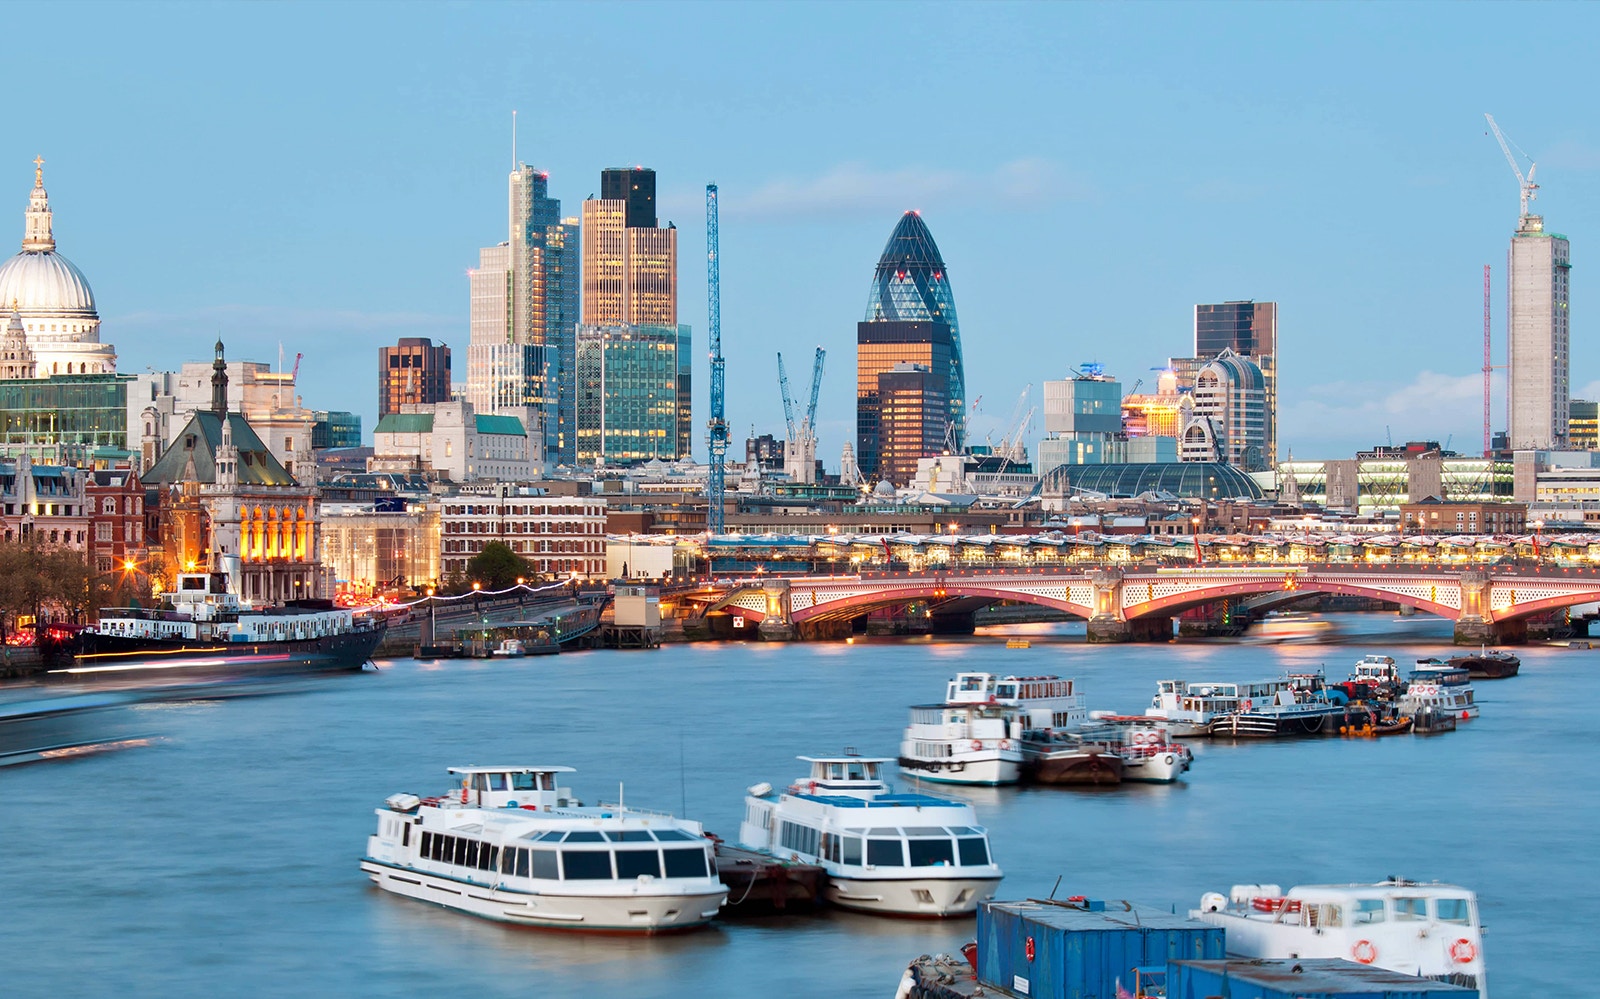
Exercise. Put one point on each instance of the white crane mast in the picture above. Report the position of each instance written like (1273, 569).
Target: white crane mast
(1525, 185)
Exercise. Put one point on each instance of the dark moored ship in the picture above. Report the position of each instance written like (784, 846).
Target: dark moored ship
(1488, 665)
(204, 631)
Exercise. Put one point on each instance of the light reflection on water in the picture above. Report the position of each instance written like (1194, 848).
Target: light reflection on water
(225, 856)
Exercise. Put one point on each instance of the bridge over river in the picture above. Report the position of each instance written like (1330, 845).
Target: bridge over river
(1488, 603)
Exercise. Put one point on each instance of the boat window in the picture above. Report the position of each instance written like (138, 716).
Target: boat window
(1006, 690)
(519, 862)
(633, 863)
(586, 865)
(1368, 910)
(683, 863)
(497, 782)
(1410, 908)
(436, 848)
(472, 853)
(426, 849)
(850, 851)
(552, 836)
(460, 858)
(974, 851)
(1452, 910)
(524, 782)
(972, 682)
(836, 771)
(405, 834)
(880, 831)
(544, 865)
(508, 860)
(872, 771)
(630, 836)
(488, 857)
(885, 853)
(855, 772)
(926, 831)
(962, 830)
(480, 782)
(672, 834)
(931, 852)
(583, 836)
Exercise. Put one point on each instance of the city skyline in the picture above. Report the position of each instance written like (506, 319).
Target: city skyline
(386, 220)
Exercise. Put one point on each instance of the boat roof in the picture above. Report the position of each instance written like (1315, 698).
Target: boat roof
(884, 801)
(514, 769)
(845, 759)
(1407, 887)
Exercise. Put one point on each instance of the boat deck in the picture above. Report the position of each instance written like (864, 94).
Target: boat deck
(760, 883)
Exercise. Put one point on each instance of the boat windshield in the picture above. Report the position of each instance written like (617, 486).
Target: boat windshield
(1453, 910)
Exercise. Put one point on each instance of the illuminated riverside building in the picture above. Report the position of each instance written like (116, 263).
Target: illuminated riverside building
(911, 299)
(1384, 480)
(368, 548)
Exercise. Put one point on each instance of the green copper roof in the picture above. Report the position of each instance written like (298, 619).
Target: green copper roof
(500, 425)
(405, 423)
(197, 443)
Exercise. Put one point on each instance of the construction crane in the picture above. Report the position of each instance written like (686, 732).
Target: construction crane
(788, 405)
(1006, 442)
(295, 374)
(717, 435)
(1525, 185)
(810, 428)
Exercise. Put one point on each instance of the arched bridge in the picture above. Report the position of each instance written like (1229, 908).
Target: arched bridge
(1487, 603)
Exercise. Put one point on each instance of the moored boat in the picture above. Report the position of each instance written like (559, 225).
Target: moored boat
(1300, 706)
(1431, 930)
(1486, 665)
(203, 630)
(884, 853)
(1444, 689)
(1189, 708)
(1145, 745)
(974, 736)
(512, 846)
(1066, 758)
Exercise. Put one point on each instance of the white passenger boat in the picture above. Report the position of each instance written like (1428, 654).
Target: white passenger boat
(511, 648)
(888, 853)
(1432, 930)
(1379, 671)
(1299, 707)
(1146, 747)
(1190, 708)
(1441, 688)
(510, 845)
(974, 737)
(1290, 627)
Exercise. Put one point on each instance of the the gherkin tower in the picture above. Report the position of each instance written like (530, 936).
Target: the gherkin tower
(911, 284)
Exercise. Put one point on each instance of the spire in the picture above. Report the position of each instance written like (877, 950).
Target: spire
(219, 384)
(37, 236)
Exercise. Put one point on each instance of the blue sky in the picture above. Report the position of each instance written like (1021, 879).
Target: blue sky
(322, 176)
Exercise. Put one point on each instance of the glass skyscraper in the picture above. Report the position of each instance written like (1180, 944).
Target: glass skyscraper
(633, 393)
(1249, 329)
(912, 284)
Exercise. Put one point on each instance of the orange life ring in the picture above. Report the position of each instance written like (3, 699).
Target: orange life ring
(977, 745)
(1463, 951)
(1248, 704)
(1005, 743)
(1364, 952)
(813, 788)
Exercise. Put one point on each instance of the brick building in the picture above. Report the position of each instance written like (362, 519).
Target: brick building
(558, 535)
(1434, 516)
(114, 498)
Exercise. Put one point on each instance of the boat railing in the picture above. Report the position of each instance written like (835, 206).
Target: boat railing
(623, 809)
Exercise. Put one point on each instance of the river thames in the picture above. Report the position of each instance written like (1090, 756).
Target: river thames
(223, 857)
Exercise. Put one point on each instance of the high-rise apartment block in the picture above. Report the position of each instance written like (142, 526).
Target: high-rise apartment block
(1249, 329)
(910, 319)
(519, 296)
(1537, 380)
(415, 371)
(632, 358)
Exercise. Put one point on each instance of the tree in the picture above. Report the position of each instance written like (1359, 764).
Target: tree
(497, 567)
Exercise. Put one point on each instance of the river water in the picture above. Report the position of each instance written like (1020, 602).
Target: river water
(223, 857)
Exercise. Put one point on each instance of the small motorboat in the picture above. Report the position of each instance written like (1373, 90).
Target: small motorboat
(1432, 721)
(511, 648)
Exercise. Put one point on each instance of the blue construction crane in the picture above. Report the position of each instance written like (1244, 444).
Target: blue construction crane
(717, 438)
(788, 406)
(816, 386)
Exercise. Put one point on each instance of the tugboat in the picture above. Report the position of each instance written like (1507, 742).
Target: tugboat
(204, 630)
(512, 846)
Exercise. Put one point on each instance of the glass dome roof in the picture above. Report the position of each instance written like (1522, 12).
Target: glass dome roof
(1186, 479)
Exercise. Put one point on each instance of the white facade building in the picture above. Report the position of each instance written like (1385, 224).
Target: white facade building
(1226, 420)
(454, 440)
(1537, 382)
(558, 535)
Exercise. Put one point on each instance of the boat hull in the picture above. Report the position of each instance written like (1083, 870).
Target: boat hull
(1084, 768)
(1488, 667)
(1158, 768)
(636, 912)
(119, 657)
(1282, 725)
(932, 898)
(988, 770)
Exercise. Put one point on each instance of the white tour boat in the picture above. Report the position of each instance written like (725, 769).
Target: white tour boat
(975, 736)
(1146, 747)
(1379, 671)
(899, 854)
(510, 845)
(1190, 708)
(1440, 688)
(1432, 930)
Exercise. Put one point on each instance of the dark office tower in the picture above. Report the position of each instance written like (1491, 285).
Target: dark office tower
(912, 414)
(881, 347)
(412, 371)
(636, 186)
(1249, 329)
(911, 285)
(566, 344)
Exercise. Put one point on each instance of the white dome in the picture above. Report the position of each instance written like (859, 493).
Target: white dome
(46, 284)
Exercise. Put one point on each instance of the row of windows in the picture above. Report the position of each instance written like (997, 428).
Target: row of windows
(566, 865)
(917, 852)
(521, 527)
(484, 509)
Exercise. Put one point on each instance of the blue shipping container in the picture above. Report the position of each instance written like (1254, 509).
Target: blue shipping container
(1323, 978)
(1046, 950)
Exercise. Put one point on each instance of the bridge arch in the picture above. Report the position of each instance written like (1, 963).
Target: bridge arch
(929, 590)
(1179, 602)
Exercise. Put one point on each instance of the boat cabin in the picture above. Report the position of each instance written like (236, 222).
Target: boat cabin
(852, 775)
(1443, 674)
(534, 788)
(1376, 670)
(970, 688)
(203, 596)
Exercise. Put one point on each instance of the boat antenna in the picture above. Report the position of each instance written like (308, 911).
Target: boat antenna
(683, 780)
(1054, 887)
(620, 805)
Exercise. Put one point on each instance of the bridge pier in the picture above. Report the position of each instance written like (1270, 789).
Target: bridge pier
(1513, 631)
(954, 624)
(1103, 631)
(822, 631)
